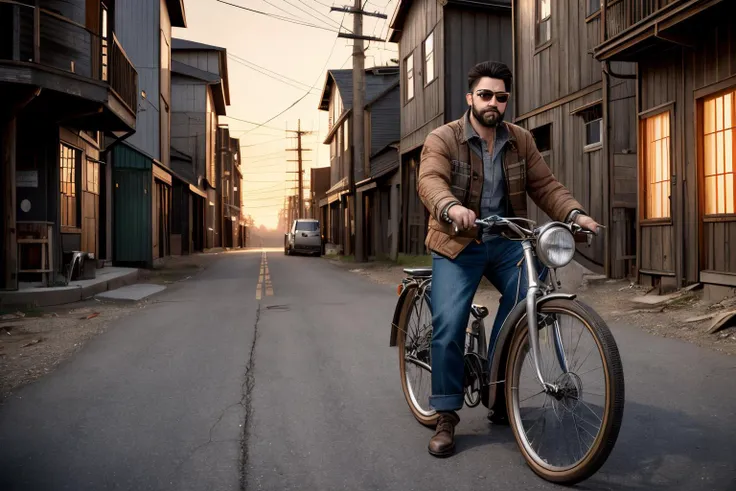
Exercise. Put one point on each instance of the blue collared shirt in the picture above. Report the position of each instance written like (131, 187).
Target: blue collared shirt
(493, 197)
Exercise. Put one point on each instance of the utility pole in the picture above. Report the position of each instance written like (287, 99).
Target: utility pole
(358, 130)
(300, 161)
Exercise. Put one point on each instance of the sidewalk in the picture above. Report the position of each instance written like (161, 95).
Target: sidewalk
(31, 294)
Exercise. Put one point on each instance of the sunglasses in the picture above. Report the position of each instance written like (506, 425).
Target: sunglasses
(487, 95)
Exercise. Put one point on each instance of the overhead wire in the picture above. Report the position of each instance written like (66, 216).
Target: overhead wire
(278, 17)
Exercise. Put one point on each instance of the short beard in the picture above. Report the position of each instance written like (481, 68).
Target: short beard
(497, 119)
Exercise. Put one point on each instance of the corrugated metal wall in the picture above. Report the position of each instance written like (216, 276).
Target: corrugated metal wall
(137, 26)
(132, 180)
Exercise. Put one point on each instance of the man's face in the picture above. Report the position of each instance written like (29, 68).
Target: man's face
(484, 101)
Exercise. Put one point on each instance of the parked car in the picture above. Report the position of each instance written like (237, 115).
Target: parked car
(303, 237)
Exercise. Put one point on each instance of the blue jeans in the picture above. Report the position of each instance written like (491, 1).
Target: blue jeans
(454, 283)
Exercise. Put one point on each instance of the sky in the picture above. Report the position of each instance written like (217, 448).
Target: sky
(272, 63)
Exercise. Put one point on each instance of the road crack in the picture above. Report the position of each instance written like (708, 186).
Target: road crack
(246, 401)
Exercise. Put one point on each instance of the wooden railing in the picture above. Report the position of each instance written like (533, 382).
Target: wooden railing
(36, 35)
(622, 14)
(123, 76)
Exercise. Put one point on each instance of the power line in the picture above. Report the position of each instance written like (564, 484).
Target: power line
(278, 17)
(315, 10)
(258, 68)
(334, 44)
(280, 152)
(252, 122)
(263, 143)
(266, 74)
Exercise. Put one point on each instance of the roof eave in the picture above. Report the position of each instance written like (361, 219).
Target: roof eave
(324, 100)
(225, 76)
(218, 94)
(343, 117)
(177, 14)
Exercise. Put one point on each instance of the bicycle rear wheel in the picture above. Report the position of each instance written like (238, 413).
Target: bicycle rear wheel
(414, 342)
(565, 434)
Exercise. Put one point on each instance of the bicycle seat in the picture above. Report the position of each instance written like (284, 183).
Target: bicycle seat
(419, 272)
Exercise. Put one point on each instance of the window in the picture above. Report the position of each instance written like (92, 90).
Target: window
(656, 162)
(593, 124)
(69, 159)
(544, 21)
(719, 122)
(409, 78)
(429, 59)
(346, 137)
(543, 139)
(335, 109)
(104, 39)
(307, 226)
(93, 177)
(594, 6)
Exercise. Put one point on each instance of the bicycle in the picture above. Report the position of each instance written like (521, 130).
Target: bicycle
(495, 378)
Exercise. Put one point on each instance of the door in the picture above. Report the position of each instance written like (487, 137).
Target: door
(91, 208)
(164, 219)
(657, 255)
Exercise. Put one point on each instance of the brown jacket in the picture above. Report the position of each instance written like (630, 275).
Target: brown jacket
(449, 172)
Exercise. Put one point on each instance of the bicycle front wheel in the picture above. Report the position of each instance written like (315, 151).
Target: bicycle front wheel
(565, 433)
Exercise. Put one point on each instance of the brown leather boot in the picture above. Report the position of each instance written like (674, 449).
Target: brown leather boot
(442, 444)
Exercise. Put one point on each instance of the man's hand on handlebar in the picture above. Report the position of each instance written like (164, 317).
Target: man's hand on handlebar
(587, 223)
(462, 217)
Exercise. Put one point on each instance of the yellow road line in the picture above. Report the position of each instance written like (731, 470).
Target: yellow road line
(264, 278)
(261, 274)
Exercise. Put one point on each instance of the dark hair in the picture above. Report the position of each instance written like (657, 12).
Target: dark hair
(492, 69)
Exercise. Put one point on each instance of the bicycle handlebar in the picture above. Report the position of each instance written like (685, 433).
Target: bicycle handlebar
(495, 220)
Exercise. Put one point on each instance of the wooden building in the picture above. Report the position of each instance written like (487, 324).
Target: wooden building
(69, 94)
(229, 177)
(142, 175)
(337, 98)
(319, 183)
(685, 53)
(438, 44)
(582, 116)
(378, 180)
(200, 91)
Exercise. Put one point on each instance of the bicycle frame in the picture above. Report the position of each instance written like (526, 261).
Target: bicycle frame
(537, 294)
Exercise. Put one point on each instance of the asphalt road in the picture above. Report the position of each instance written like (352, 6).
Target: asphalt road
(219, 387)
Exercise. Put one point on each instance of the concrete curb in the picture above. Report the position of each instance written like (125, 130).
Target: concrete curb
(48, 297)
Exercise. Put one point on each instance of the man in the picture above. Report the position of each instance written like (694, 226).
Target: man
(478, 166)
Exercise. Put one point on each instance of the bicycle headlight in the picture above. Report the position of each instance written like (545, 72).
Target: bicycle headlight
(555, 246)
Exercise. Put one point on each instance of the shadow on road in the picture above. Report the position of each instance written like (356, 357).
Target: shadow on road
(657, 449)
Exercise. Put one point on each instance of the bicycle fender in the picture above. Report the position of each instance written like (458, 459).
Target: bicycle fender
(397, 313)
(503, 342)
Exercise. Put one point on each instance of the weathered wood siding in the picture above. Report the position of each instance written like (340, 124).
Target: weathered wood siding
(677, 76)
(582, 172)
(472, 36)
(137, 26)
(208, 61)
(565, 65)
(385, 125)
(188, 125)
(425, 111)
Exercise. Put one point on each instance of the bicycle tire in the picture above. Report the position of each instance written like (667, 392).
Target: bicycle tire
(424, 419)
(614, 405)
